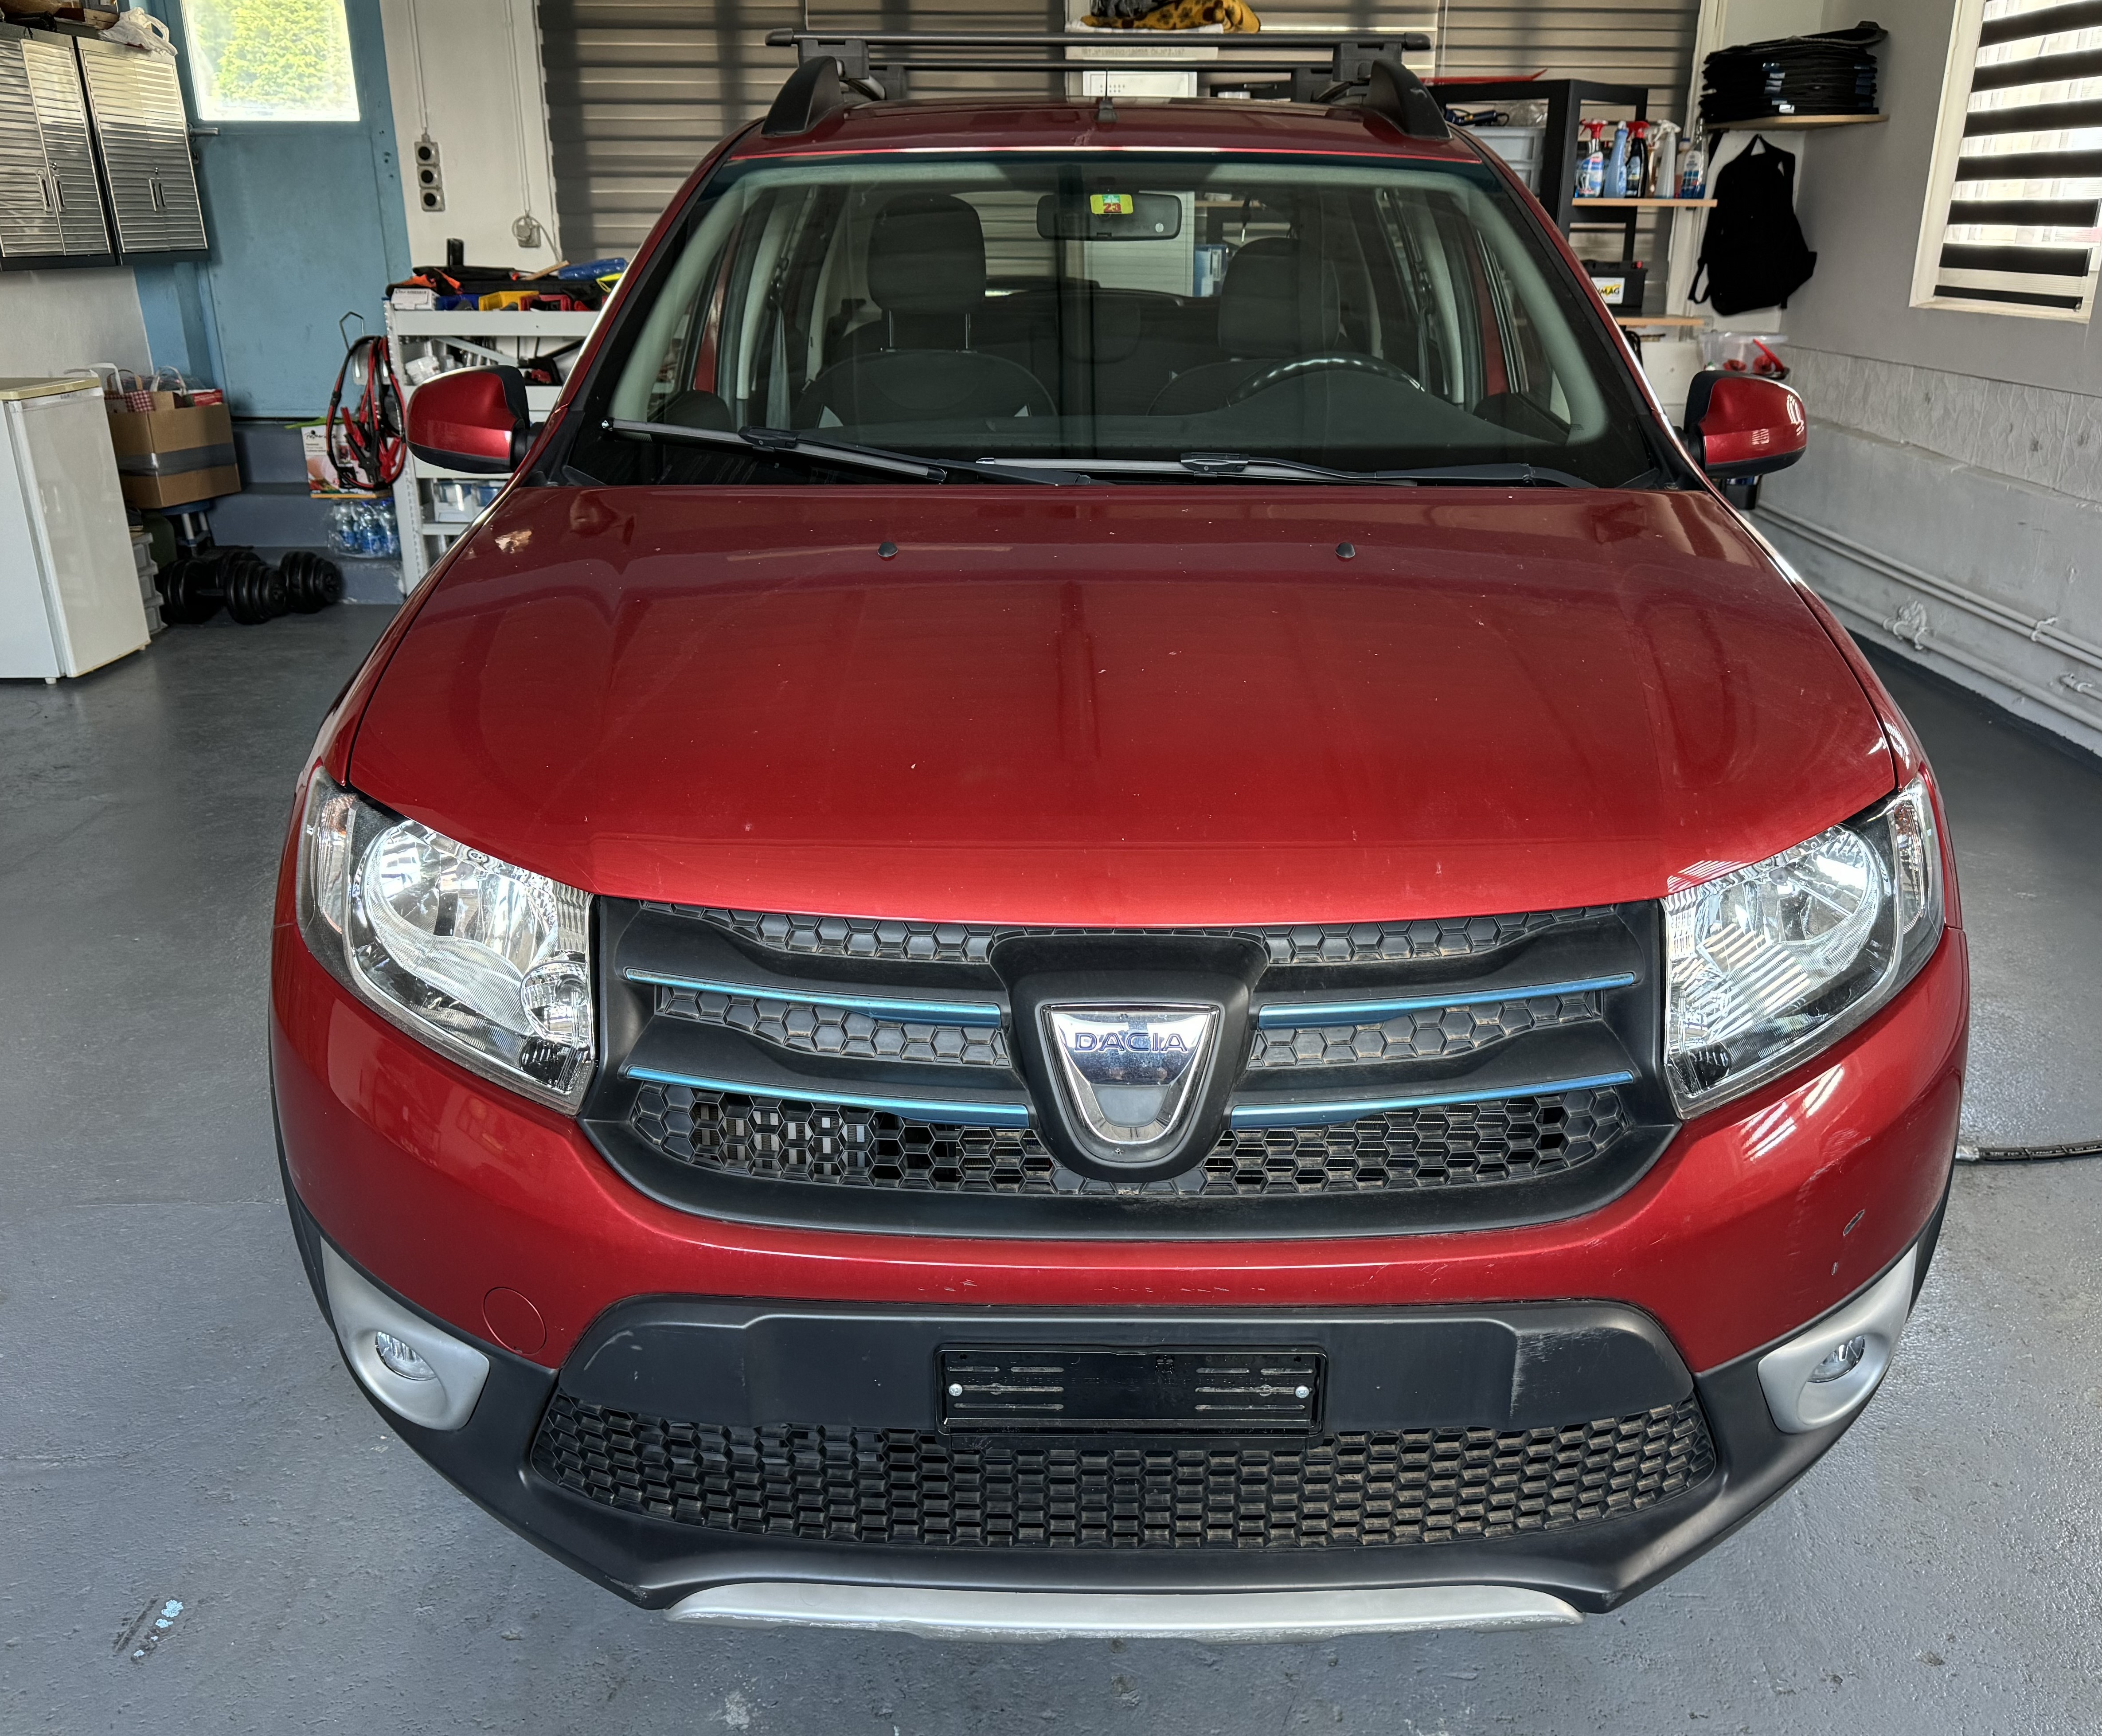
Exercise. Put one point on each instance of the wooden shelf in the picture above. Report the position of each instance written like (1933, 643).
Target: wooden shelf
(1782, 123)
(1661, 319)
(1645, 204)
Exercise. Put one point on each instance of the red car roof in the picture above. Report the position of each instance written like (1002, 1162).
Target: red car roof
(1201, 123)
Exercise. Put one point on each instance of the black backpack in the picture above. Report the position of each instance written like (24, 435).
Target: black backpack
(1754, 254)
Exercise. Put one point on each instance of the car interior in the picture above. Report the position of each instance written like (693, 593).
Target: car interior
(1331, 324)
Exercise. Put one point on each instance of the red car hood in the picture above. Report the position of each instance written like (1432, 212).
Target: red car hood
(1172, 706)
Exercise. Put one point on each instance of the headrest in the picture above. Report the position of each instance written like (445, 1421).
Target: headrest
(1262, 311)
(926, 255)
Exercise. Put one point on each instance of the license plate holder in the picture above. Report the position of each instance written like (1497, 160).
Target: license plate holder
(1056, 1389)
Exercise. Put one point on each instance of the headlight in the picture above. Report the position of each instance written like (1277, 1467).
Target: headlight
(1769, 963)
(485, 962)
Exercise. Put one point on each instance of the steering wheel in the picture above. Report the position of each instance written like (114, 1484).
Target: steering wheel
(1333, 361)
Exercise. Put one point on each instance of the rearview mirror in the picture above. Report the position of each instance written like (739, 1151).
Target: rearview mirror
(1739, 426)
(1109, 216)
(476, 420)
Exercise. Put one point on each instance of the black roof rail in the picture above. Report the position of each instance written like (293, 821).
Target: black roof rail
(812, 91)
(1395, 93)
(1308, 66)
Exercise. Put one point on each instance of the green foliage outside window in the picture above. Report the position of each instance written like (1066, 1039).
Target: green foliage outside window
(271, 59)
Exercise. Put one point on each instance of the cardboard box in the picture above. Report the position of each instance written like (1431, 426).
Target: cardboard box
(175, 457)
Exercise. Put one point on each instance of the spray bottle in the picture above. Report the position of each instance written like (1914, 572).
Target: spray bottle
(1694, 172)
(1664, 161)
(1616, 164)
(1590, 163)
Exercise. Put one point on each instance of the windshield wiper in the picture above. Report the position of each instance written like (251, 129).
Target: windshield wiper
(1291, 469)
(1496, 476)
(842, 453)
(1238, 464)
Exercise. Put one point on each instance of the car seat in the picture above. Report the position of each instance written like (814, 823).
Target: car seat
(927, 272)
(1264, 319)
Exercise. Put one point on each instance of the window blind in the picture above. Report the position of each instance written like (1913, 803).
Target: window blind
(2023, 186)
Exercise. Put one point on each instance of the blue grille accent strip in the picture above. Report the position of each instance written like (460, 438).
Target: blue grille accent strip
(920, 1012)
(940, 1114)
(1313, 1114)
(1285, 1015)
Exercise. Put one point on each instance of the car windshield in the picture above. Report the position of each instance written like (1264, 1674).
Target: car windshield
(1122, 314)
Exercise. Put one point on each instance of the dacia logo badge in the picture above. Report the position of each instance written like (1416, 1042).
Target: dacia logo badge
(1129, 1076)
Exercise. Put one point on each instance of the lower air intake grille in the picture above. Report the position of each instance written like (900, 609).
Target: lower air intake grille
(898, 1486)
(1454, 1145)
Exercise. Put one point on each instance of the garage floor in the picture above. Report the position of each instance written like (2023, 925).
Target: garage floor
(176, 1429)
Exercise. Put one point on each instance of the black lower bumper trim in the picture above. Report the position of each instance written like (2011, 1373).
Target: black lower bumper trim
(654, 1562)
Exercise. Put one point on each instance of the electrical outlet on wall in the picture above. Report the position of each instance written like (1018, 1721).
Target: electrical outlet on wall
(430, 175)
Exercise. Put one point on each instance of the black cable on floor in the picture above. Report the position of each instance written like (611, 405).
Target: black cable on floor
(2028, 1153)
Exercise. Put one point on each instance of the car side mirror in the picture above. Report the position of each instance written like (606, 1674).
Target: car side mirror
(1741, 426)
(476, 419)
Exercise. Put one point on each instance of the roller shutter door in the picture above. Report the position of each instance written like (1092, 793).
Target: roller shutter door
(638, 90)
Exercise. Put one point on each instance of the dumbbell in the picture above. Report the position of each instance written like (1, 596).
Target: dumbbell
(189, 590)
(312, 581)
(194, 588)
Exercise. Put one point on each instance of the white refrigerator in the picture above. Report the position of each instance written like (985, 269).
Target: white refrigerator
(69, 585)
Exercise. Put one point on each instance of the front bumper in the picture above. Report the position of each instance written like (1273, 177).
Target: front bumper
(497, 1221)
(738, 1365)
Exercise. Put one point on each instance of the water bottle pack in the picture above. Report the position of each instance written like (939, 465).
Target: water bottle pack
(364, 527)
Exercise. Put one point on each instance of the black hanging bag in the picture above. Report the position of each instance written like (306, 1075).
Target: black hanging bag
(1753, 255)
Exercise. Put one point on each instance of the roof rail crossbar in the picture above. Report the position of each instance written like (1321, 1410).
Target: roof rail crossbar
(1321, 68)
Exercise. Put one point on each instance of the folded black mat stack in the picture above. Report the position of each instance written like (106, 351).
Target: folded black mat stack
(1833, 73)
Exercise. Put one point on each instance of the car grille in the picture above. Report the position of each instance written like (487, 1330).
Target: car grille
(1456, 1145)
(1306, 944)
(861, 1072)
(903, 1487)
(1420, 1035)
(811, 1029)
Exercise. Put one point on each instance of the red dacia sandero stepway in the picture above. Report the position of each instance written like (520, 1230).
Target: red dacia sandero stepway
(1112, 901)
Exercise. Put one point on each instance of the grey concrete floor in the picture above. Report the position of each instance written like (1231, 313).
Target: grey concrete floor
(175, 1423)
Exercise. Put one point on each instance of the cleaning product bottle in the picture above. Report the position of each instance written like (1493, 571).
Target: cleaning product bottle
(1616, 164)
(1694, 172)
(1638, 160)
(1664, 161)
(1594, 163)
(1587, 153)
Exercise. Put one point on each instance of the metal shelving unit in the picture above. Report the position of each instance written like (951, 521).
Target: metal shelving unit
(428, 522)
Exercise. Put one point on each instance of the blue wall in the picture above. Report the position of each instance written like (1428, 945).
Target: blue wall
(306, 222)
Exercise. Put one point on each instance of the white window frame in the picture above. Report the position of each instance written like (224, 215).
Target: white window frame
(1928, 274)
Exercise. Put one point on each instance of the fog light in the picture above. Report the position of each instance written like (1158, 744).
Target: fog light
(413, 1367)
(403, 1360)
(1837, 1365)
(1826, 1372)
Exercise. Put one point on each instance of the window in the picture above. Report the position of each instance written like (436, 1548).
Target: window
(2012, 204)
(1113, 309)
(270, 59)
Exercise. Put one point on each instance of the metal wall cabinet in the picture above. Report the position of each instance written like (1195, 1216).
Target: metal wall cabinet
(144, 133)
(50, 203)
